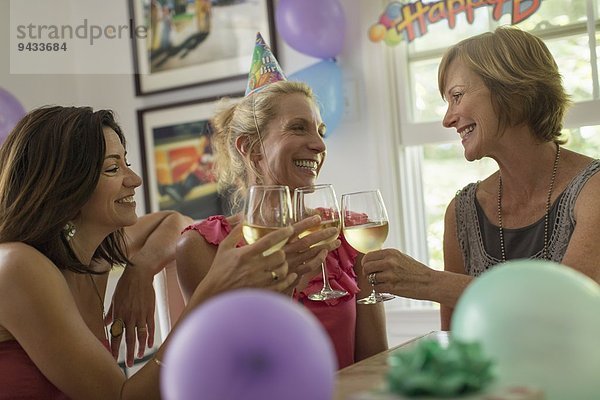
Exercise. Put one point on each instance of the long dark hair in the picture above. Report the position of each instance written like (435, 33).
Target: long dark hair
(51, 163)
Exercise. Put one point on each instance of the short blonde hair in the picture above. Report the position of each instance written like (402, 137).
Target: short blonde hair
(235, 120)
(522, 76)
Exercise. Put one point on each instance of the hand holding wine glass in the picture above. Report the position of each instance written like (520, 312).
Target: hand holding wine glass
(267, 208)
(319, 200)
(365, 227)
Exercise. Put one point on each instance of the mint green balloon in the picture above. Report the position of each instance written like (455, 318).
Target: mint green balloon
(540, 322)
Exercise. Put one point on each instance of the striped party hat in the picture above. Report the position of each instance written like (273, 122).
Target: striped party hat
(264, 69)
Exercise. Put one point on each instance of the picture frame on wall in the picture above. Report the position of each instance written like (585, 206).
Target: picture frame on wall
(177, 157)
(196, 42)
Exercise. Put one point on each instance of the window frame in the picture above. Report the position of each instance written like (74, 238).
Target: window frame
(410, 154)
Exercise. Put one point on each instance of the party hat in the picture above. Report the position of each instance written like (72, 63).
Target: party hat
(264, 69)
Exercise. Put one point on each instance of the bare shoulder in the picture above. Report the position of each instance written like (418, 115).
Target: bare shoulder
(26, 276)
(571, 164)
(589, 197)
(19, 255)
(451, 208)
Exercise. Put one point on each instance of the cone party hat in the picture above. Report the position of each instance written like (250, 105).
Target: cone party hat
(264, 69)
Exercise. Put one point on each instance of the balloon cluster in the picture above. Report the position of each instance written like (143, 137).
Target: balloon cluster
(540, 323)
(252, 345)
(385, 28)
(317, 28)
(11, 111)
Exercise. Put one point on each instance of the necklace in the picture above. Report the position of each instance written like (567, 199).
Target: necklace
(101, 306)
(546, 217)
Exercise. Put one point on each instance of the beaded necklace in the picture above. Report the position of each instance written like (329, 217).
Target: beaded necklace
(546, 217)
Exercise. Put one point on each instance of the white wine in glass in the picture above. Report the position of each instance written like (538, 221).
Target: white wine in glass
(267, 209)
(365, 227)
(321, 200)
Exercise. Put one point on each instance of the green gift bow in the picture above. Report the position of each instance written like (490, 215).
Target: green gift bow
(428, 368)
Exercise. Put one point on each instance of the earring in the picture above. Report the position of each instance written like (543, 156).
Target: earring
(69, 230)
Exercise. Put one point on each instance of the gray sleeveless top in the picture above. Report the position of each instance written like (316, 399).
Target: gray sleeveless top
(479, 255)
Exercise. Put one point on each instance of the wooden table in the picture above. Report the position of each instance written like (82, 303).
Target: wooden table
(360, 381)
(369, 374)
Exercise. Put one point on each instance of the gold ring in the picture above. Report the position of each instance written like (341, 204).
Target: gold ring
(274, 276)
(373, 278)
(116, 329)
(141, 329)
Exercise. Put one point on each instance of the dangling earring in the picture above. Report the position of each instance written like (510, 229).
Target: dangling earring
(69, 230)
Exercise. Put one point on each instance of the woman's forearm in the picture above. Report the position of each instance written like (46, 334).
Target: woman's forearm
(447, 287)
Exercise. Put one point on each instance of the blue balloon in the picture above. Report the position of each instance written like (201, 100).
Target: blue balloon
(325, 79)
(11, 111)
(394, 10)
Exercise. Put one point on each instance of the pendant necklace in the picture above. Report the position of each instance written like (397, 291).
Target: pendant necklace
(101, 306)
(546, 217)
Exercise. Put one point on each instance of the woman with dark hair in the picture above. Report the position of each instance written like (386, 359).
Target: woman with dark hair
(507, 102)
(66, 195)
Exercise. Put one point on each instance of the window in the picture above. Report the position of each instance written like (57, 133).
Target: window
(435, 156)
(449, 157)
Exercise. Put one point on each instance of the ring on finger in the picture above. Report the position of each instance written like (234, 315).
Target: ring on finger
(373, 278)
(141, 329)
(116, 329)
(274, 276)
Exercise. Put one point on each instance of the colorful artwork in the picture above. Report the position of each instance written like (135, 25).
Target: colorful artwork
(193, 42)
(178, 159)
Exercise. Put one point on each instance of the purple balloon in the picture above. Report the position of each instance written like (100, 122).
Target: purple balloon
(11, 111)
(252, 345)
(313, 27)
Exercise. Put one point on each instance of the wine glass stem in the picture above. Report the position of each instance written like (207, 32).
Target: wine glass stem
(326, 286)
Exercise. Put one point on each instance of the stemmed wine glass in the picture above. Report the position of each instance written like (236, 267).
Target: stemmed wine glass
(267, 208)
(365, 227)
(319, 199)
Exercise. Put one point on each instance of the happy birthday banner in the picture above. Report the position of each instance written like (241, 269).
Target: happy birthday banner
(410, 20)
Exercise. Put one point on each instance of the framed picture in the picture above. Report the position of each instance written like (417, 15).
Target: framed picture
(177, 158)
(195, 42)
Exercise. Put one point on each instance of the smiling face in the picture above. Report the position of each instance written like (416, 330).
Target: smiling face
(470, 110)
(112, 205)
(293, 143)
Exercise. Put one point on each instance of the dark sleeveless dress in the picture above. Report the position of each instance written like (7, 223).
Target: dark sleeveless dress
(479, 241)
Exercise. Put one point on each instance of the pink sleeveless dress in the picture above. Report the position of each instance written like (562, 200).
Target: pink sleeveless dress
(338, 316)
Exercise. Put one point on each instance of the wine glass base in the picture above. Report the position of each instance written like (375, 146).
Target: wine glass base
(326, 294)
(374, 298)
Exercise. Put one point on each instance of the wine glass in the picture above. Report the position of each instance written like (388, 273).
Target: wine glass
(321, 200)
(267, 209)
(365, 227)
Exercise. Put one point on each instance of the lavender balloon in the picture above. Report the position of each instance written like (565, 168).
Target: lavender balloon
(252, 345)
(313, 27)
(11, 111)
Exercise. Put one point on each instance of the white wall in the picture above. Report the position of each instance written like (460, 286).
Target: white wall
(361, 151)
